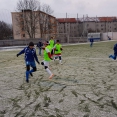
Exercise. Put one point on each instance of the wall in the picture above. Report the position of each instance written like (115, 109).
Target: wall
(17, 42)
(112, 35)
(73, 40)
(4, 43)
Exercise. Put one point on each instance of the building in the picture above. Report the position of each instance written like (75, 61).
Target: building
(68, 26)
(33, 24)
(82, 26)
(98, 24)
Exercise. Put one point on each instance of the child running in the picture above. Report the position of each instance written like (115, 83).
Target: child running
(58, 49)
(47, 58)
(115, 52)
(91, 41)
(30, 57)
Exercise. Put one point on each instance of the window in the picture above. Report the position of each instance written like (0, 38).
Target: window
(22, 29)
(22, 22)
(23, 35)
(21, 15)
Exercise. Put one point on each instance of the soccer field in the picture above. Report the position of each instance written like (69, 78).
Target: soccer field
(84, 86)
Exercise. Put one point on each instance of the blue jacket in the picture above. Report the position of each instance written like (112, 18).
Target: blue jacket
(40, 44)
(91, 40)
(30, 54)
(115, 48)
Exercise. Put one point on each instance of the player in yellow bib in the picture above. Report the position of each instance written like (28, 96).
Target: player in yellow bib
(47, 58)
(58, 49)
(52, 43)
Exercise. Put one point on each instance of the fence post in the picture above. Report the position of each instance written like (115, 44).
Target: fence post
(68, 38)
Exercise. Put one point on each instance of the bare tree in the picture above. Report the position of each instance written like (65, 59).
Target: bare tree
(47, 9)
(33, 18)
(28, 19)
(32, 5)
(5, 31)
(47, 25)
(45, 20)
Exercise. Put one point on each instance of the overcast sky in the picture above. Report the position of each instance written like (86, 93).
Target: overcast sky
(72, 7)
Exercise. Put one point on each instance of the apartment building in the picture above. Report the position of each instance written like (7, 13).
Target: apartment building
(100, 24)
(33, 24)
(82, 26)
(68, 26)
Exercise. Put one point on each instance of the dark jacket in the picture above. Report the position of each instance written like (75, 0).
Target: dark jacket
(30, 54)
(39, 44)
(115, 48)
(91, 40)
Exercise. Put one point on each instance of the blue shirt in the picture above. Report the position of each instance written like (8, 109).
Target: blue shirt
(91, 40)
(115, 48)
(30, 54)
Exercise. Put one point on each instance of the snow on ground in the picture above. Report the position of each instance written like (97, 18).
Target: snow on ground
(84, 86)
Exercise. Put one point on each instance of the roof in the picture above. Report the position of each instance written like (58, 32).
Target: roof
(68, 20)
(107, 19)
(87, 19)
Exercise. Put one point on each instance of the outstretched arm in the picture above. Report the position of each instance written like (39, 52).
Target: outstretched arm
(21, 52)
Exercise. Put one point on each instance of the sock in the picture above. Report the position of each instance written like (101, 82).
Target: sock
(49, 71)
(60, 61)
(55, 57)
(31, 71)
(27, 75)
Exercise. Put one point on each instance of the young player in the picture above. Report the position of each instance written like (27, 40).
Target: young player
(115, 52)
(30, 57)
(52, 43)
(58, 49)
(47, 58)
(39, 45)
(91, 41)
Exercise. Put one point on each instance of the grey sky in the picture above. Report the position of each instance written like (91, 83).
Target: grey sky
(83, 7)
(71, 7)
